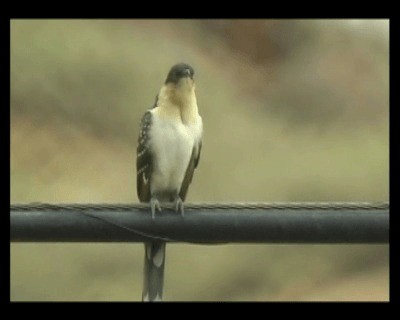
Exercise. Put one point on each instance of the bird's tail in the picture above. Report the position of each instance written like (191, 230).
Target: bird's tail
(153, 270)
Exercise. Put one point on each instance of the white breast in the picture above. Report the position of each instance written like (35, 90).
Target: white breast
(172, 144)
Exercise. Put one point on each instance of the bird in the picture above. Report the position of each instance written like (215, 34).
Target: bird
(169, 142)
(168, 152)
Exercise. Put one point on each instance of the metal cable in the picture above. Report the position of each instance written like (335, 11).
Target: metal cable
(209, 206)
(318, 222)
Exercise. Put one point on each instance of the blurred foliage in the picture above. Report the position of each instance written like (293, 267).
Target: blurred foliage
(293, 110)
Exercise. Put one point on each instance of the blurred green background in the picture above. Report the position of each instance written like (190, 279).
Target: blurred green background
(293, 110)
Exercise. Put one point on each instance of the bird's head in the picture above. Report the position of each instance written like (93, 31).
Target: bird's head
(181, 75)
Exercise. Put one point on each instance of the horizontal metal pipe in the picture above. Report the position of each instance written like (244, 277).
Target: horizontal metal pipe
(203, 224)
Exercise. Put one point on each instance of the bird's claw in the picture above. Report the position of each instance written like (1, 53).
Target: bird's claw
(154, 204)
(179, 206)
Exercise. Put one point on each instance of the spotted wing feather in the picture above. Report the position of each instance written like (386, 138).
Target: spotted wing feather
(144, 159)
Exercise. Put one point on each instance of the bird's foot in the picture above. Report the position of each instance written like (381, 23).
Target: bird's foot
(179, 206)
(154, 204)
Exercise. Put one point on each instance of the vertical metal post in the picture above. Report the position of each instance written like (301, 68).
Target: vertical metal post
(154, 261)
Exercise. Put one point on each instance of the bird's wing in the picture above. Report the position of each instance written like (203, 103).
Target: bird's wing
(197, 158)
(144, 159)
(193, 163)
(155, 102)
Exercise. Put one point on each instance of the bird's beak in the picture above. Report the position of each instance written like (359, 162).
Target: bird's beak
(187, 73)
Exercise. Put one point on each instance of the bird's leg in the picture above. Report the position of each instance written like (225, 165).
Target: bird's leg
(179, 205)
(154, 204)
